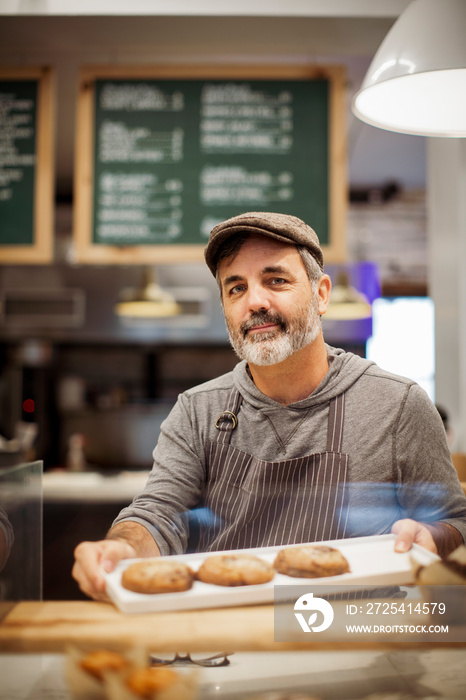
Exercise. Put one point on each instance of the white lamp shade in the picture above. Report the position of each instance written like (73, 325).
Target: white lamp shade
(416, 83)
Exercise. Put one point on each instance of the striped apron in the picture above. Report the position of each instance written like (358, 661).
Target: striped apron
(255, 503)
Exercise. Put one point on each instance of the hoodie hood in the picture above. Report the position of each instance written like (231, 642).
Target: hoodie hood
(345, 368)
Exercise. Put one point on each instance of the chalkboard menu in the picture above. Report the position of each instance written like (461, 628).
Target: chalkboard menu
(26, 165)
(163, 158)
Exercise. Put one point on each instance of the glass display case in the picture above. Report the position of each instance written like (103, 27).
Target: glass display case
(20, 533)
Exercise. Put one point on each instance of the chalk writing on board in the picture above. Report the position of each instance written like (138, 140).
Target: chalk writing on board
(174, 157)
(17, 161)
(239, 118)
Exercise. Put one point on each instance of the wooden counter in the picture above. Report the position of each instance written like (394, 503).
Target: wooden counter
(49, 626)
(33, 627)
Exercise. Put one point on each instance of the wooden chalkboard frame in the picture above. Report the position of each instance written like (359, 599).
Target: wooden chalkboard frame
(40, 251)
(85, 251)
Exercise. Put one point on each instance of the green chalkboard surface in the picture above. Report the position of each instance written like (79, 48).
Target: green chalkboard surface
(172, 156)
(26, 165)
(18, 103)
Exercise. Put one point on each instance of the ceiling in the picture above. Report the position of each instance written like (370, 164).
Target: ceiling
(348, 33)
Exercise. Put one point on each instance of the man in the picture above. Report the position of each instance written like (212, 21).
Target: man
(301, 442)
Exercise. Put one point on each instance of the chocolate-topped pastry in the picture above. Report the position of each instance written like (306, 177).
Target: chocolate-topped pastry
(448, 571)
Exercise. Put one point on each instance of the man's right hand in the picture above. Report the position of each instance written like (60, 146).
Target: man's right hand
(93, 558)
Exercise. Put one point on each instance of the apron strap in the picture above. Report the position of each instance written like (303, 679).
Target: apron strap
(336, 416)
(228, 419)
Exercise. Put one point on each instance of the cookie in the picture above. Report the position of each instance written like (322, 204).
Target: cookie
(157, 576)
(311, 561)
(235, 570)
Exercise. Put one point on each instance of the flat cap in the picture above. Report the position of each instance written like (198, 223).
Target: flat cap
(281, 227)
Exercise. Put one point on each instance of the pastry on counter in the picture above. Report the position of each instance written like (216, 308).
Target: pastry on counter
(99, 661)
(448, 571)
(85, 669)
(151, 683)
(103, 674)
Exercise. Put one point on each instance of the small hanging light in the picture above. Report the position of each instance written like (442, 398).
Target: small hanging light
(346, 302)
(148, 301)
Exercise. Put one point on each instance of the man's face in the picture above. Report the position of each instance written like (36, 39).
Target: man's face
(270, 308)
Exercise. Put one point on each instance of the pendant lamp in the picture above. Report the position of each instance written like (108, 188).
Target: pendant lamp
(148, 301)
(346, 302)
(416, 83)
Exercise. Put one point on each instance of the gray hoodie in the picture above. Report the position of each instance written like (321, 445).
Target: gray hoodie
(399, 461)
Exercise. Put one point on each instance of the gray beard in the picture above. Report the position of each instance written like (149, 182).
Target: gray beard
(278, 345)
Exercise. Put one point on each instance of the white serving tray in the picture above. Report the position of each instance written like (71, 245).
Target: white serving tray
(372, 561)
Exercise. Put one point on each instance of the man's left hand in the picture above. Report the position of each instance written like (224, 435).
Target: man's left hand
(409, 532)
